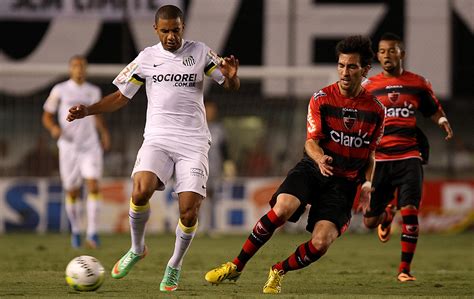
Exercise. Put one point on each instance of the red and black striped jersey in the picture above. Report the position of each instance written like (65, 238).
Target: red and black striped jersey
(348, 130)
(401, 96)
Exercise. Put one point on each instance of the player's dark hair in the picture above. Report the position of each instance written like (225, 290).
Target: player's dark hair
(167, 12)
(393, 37)
(356, 44)
(77, 56)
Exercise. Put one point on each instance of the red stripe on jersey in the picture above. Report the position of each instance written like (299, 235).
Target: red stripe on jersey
(400, 122)
(402, 96)
(347, 128)
(359, 153)
(394, 140)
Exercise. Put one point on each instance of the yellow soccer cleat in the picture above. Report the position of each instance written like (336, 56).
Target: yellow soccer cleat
(223, 272)
(273, 284)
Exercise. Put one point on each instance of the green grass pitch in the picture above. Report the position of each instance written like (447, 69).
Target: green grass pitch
(356, 266)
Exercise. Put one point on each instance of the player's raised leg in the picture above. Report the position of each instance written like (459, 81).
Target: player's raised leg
(138, 217)
(144, 185)
(384, 229)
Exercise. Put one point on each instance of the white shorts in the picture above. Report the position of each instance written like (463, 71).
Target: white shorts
(74, 165)
(189, 166)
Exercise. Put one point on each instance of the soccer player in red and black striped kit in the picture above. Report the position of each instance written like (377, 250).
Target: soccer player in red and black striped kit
(399, 162)
(344, 126)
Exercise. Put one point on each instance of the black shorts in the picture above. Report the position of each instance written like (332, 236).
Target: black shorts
(404, 176)
(331, 198)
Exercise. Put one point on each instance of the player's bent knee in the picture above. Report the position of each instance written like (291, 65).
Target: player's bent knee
(141, 195)
(188, 217)
(286, 205)
(321, 244)
(189, 214)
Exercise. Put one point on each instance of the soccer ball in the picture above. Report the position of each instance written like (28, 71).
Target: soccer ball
(85, 273)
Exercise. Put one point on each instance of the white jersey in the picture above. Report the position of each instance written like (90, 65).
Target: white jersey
(174, 87)
(82, 133)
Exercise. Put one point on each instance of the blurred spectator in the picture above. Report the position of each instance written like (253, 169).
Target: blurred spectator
(115, 160)
(4, 153)
(256, 161)
(220, 165)
(39, 161)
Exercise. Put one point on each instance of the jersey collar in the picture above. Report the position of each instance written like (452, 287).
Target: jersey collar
(172, 54)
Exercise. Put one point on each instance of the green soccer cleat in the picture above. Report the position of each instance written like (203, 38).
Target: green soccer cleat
(125, 264)
(170, 279)
(223, 272)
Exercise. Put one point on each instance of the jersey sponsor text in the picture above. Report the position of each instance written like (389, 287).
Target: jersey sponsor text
(349, 140)
(181, 80)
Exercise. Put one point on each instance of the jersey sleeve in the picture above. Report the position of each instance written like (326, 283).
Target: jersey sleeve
(429, 104)
(52, 102)
(212, 63)
(131, 78)
(313, 119)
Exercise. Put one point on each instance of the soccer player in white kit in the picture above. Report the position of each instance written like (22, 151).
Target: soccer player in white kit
(176, 137)
(80, 150)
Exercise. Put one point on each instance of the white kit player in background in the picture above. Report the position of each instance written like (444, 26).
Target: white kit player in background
(80, 150)
(176, 138)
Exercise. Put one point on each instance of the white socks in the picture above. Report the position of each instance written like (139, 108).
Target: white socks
(184, 237)
(73, 212)
(94, 202)
(138, 217)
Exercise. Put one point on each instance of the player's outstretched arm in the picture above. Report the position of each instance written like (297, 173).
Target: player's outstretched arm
(109, 103)
(229, 68)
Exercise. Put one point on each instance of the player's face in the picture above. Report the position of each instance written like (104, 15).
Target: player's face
(170, 32)
(77, 69)
(390, 55)
(350, 73)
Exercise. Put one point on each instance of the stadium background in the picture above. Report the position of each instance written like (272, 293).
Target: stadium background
(286, 51)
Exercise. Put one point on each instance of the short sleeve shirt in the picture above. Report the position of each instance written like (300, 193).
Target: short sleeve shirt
(402, 96)
(63, 96)
(174, 87)
(347, 129)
